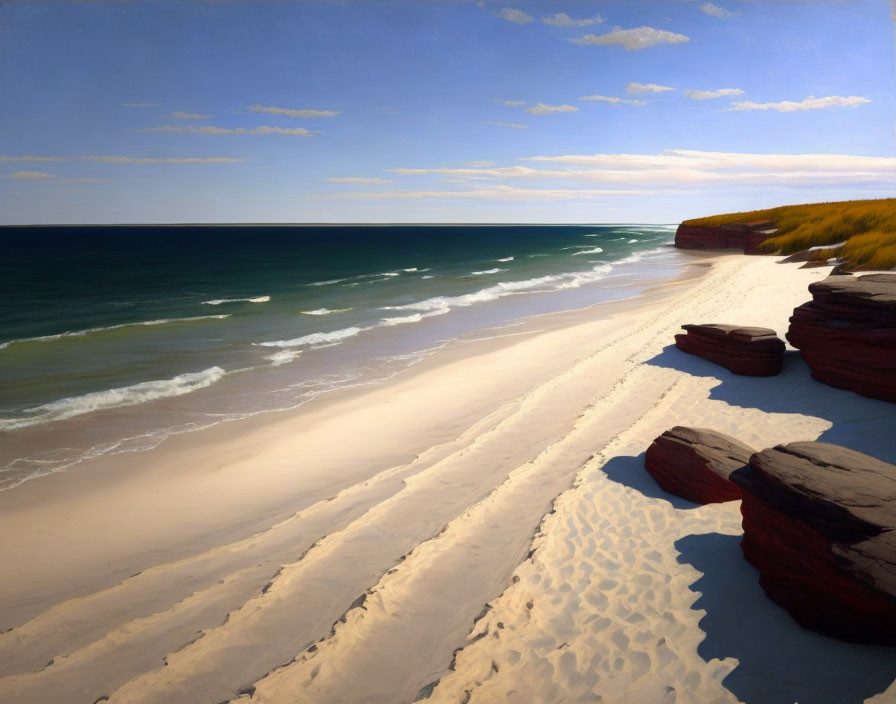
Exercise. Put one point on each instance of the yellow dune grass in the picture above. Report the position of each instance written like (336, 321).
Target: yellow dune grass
(863, 232)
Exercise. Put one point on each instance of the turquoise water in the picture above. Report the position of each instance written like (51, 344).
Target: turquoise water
(113, 338)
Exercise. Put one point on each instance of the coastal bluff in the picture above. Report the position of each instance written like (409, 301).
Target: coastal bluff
(745, 237)
(820, 526)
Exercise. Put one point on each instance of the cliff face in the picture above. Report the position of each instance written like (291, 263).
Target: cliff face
(847, 333)
(819, 525)
(745, 237)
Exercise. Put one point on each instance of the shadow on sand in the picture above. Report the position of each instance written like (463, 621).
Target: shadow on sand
(780, 662)
(857, 422)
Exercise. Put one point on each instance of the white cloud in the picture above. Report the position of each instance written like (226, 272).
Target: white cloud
(357, 179)
(187, 116)
(716, 11)
(29, 158)
(295, 131)
(612, 99)
(635, 88)
(633, 39)
(30, 175)
(511, 125)
(513, 15)
(512, 103)
(561, 19)
(177, 160)
(140, 105)
(479, 164)
(542, 109)
(498, 193)
(810, 103)
(305, 112)
(678, 169)
(709, 94)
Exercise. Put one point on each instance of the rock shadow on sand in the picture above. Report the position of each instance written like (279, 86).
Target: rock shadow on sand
(629, 471)
(857, 421)
(779, 661)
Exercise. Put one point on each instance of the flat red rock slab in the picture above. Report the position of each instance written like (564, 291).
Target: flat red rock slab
(749, 351)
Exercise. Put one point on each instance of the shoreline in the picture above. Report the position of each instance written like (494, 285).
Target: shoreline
(431, 515)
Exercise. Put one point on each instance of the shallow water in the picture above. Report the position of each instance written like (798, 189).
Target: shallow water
(113, 338)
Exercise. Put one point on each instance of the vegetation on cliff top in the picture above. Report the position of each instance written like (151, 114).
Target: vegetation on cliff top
(863, 232)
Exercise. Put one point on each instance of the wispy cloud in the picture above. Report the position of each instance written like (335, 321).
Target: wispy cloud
(633, 39)
(542, 109)
(140, 105)
(612, 99)
(810, 103)
(716, 11)
(512, 103)
(289, 112)
(561, 19)
(678, 169)
(497, 193)
(709, 94)
(173, 160)
(511, 125)
(29, 175)
(357, 179)
(294, 131)
(31, 158)
(44, 177)
(187, 116)
(635, 88)
(511, 14)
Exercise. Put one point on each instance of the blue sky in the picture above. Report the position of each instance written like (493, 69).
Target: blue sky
(365, 111)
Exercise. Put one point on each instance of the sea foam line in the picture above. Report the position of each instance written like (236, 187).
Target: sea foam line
(325, 311)
(90, 331)
(115, 398)
(219, 301)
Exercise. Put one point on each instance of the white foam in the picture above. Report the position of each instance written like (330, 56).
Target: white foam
(555, 282)
(115, 398)
(390, 273)
(505, 259)
(428, 276)
(219, 301)
(632, 241)
(90, 331)
(414, 318)
(487, 271)
(283, 357)
(315, 338)
(595, 250)
(325, 311)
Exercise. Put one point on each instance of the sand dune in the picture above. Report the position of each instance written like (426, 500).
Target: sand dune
(479, 530)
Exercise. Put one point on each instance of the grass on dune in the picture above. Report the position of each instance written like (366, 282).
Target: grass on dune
(864, 231)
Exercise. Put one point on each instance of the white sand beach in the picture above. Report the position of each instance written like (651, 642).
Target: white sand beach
(480, 528)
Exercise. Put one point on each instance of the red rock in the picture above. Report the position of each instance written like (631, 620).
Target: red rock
(847, 333)
(743, 236)
(820, 526)
(695, 463)
(742, 350)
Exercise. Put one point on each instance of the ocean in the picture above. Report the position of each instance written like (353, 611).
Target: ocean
(113, 338)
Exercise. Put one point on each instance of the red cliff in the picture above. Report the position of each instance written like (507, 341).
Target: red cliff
(745, 237)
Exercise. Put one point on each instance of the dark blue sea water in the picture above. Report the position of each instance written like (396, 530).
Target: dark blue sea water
(113, 338)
